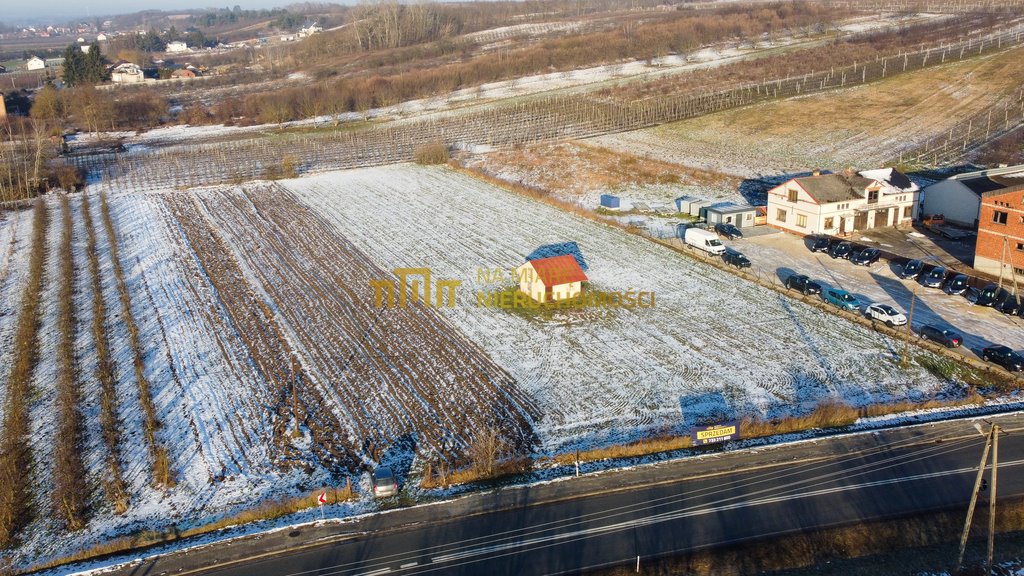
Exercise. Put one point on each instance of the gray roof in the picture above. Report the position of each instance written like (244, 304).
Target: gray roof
(730, 208)
(830, 188)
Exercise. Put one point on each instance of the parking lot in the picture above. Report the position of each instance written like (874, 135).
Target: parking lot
(785, 254)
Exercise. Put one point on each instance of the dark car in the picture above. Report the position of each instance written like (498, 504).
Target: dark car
(985, 297)
(729, 231)
(865, 257)
(735, 258)
(943, 336)
(1009, 306)
(956, 285)
(911, 269)
(803, 283)
(820, 244)
(1004, 357)
(840, 250)
(934, 277)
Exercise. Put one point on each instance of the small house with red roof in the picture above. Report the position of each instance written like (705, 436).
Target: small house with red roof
(551, 279)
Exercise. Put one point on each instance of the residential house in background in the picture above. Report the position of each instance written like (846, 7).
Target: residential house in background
(958, 198)
(176, 47)
(127, 73)
(35, 63)
(837, 204)
(551, 279)
(1000, 247)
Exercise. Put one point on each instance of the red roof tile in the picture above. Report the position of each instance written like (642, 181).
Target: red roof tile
(558, 270)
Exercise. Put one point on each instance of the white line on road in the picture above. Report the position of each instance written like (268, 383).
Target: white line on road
(408, 565)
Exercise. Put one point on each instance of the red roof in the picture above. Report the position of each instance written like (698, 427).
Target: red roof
(558, 270)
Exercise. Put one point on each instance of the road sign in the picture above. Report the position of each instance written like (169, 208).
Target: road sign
(323, 498)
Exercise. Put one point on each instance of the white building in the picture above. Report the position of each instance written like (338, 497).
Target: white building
(176, 47)
(837, 204)
(127, 73)
(35, 63)
(958, 198)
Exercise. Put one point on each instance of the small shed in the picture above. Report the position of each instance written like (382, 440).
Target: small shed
(683, 204)
(609, 201)
(729, 213)
(551, 279)
(697, 206)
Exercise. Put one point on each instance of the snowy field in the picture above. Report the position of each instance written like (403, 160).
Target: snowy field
(608, 375)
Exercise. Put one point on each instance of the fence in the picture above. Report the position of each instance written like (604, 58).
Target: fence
(524, 122)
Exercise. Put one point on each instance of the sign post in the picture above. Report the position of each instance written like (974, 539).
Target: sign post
(322, 500)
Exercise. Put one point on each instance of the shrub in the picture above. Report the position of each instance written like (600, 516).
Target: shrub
(431, 153)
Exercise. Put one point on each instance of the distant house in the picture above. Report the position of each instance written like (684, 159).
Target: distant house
(183, 73)
(551, 279)
(127, 73)
(101, 37)
(176, 47)
(310, 30)
(35, 63)
(999, 250)
(729, 213)
(86, 48)
(837, 204)
(682, 204)
(958, 198)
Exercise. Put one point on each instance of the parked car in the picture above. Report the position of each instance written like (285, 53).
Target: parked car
(384, 483)
(841, 298)
(985, 297)
(1003, 356)
(934, 277)
(885, 313)
(803, 283)
(866, 256)
(956, 285)
(1009, 306)
(735, 258)
(943, 336)
(840, 250)
(912, 269)
(820, 244)
(728, 230)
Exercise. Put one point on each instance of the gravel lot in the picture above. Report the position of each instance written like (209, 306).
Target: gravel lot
(784, 254)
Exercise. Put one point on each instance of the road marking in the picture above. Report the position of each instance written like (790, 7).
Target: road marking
(376, 572)
(409, 565)
(679, 514)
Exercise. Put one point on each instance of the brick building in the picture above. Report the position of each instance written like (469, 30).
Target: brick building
(1001, 233)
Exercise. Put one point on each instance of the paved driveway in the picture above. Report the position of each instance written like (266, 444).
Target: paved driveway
(784, 254)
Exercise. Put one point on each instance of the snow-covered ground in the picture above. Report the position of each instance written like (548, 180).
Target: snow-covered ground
(15, 248)
(608, 375)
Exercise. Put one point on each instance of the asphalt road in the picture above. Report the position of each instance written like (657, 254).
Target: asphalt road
(933, 469)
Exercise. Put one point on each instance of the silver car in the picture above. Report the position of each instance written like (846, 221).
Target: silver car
(384, 483)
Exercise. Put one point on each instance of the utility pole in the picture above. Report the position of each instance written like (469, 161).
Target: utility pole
(991, 442)
(974, 500)
(992, 498)
(905, 358)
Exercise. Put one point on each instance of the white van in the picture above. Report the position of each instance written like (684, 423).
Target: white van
(705, 240)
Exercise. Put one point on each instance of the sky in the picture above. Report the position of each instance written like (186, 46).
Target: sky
(15, 12)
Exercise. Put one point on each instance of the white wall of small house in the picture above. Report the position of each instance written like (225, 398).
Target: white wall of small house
(565, 291)
(530, 283)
